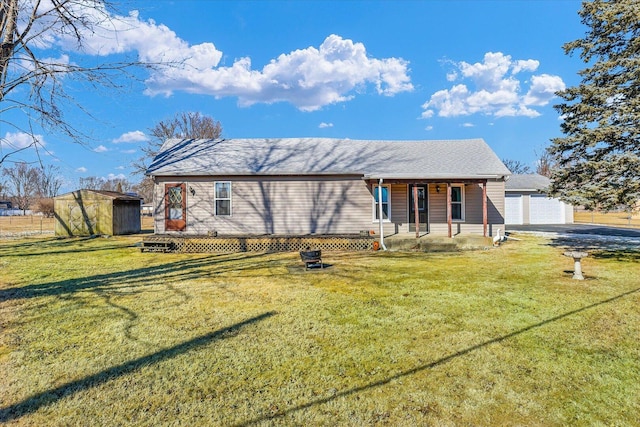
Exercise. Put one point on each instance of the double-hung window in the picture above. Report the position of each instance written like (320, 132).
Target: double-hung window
(222, 199)
(457, 203)
(386, 203)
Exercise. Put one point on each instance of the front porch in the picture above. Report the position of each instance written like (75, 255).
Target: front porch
(407, 242)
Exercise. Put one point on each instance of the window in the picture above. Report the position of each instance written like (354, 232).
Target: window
(222, 202)
(386, 203)
(457, 203)
(174, 203)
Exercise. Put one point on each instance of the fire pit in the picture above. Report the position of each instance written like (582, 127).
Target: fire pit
(310, 258)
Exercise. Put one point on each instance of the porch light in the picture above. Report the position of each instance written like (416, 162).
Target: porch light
(437, 188)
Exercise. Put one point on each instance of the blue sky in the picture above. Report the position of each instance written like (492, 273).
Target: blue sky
(340, 69)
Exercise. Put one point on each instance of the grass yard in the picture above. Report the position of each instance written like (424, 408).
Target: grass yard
(93, 332)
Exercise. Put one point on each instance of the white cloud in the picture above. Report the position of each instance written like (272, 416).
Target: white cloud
(429, 128)
(128, 151)
(308, 78)
(543, 88)
(19, 140)
(493, 88)
(81, 169)
(120, 168)
(118, 176)
(134, 136)
(100, 149)
(468, 125)
(324, 125)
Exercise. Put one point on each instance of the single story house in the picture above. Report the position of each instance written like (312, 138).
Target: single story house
(307, 186)
(526, 202)
(95, 212)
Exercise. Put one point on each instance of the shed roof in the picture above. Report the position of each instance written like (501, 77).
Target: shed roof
(114, 195)
(527, 182)
(432, 159)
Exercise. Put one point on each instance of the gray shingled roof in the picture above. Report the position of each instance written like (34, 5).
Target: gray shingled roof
(527, 182)
(471, 158)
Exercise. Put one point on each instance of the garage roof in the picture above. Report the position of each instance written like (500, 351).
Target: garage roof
(527, 182)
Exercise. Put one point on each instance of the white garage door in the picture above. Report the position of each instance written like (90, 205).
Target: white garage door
(513, 209)
(543, 210)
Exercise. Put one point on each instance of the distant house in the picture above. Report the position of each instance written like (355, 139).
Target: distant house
(146, 209)
(526, 202)
(93, 212)
(307, 186)
(5, 205)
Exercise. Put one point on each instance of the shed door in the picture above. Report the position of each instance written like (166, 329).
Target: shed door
(175, 211)
(83, 219)
(513, 209)
(544, 210)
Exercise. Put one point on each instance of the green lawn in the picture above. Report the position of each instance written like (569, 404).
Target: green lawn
(93, 332)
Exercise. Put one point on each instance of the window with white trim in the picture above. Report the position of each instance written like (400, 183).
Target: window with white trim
(222, 199)
(386, 203)
(457, 202)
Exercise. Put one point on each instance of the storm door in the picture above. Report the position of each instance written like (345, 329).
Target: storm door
(175, 202)
(422, 207)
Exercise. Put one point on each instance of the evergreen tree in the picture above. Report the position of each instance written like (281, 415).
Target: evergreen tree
(597, 161)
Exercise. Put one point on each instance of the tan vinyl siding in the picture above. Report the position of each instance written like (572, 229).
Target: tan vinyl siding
(472, 223)
(297, 205)
(321, 205)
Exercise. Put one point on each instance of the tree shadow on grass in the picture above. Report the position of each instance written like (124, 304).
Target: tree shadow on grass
(626, 255)
(148, 276)
(596, 243)
(434, 364)
(55, 246)
(35, 402)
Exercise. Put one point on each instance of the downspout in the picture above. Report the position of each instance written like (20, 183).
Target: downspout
(384, 248)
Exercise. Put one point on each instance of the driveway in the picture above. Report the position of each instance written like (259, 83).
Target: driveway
(583, 236)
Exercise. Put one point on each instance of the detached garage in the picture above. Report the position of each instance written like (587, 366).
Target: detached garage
(526, 202)
(93, 212)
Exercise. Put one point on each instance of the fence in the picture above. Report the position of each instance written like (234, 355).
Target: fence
(21, 225)
(614, 218)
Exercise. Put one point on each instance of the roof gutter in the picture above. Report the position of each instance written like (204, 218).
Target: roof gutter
(380, 215)
(436, 178)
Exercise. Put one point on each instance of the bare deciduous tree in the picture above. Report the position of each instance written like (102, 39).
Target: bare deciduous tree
(23, 184)
(182, 125)
(27, 27)
(97, 183)
(545, 164)
(49, 182)
(516, 166)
